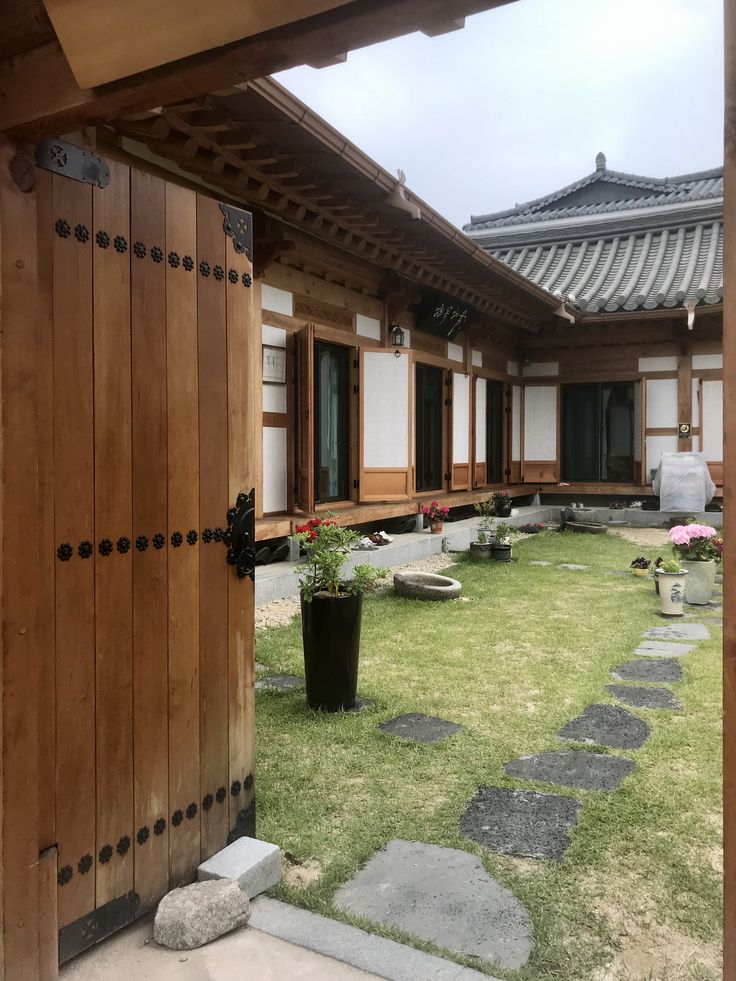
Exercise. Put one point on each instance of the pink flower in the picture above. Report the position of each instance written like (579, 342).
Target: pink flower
(680, 535)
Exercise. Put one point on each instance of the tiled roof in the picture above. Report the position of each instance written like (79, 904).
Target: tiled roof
(616, 242)
(629, 272)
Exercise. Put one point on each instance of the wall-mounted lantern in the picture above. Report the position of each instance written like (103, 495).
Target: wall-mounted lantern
(397, 336)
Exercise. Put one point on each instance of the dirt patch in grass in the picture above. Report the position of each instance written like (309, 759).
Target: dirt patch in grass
(298, 874)
(651, 537)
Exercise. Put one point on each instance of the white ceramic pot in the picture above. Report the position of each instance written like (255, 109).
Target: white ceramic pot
(672, 592)
(701, 581)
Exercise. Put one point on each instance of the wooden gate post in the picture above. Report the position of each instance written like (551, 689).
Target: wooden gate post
(729, 496)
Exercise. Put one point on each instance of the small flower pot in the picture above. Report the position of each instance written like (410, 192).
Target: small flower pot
(436, 527)
(701, 581)
(502, 553)
(481, 551)
(641, 573)
(331, 639)
(672, 593)
(503, 510)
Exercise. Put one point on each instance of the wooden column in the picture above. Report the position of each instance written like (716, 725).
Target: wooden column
(685, 394)
(729, 496)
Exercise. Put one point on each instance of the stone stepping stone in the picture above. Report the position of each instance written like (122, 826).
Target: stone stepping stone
(678, 631)
(540, 562)
(280, 682)
(573, 768)
(646, 698)
(607, 725)
(702, 607)
(618, 572)
(662, 648)
(521, 822)
(573, 566)
(419, 728)
(661, 669)
(445, 896)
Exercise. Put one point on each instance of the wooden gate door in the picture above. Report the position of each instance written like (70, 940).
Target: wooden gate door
(146, 692)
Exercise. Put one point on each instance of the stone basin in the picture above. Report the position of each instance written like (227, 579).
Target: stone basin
(591, 527)
(426, 586)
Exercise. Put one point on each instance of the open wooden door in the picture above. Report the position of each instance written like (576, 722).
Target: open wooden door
(145, 359)
(304, 489)
(386, 424)
(460, 431)
(540, 433)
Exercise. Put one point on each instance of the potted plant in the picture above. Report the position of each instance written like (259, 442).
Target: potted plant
(502, 503)
(436, 513)
(502, 547)
(672, 578)
(482, 548)
(694, 545)
(331, 607)
(640, 566)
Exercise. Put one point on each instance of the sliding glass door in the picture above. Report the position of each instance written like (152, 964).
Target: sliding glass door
(429, 402)
(598, 439)
(331, 422)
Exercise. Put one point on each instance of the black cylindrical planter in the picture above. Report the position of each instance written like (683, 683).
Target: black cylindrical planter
(503, 510)
(502, 553)
(331, 638)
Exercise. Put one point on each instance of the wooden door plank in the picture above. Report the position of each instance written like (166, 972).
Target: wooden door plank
(113, 521)
(213, 505)
(74, 523)
(150, 589)
(183, 515)
(21, 565)
(242, 433)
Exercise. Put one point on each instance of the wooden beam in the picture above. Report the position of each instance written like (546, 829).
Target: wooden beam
(40, 97)
(729, 498)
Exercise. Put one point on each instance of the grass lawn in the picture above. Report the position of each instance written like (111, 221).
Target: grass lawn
(638, 895)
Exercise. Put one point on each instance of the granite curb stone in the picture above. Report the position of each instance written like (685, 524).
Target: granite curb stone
(255, 865)
(196, 914)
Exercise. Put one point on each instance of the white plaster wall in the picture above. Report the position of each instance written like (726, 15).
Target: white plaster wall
(385, 410)
(480, 420)
(460, 418)
(704, 361)
(455, 352)
(516, 423)
(512, 367)
(662, 403)
(368, 327)
(275, 336)
(658, 364)
(713, 420)
(275, 470)
(477, 359)
(276, 300)
(696, 402)
(656, 446)
(541, 369)
(540, 422)
(274, 396)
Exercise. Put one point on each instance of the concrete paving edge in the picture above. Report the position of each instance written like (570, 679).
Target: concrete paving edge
(351, 945)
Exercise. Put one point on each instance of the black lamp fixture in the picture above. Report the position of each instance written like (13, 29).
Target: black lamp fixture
(397, 336)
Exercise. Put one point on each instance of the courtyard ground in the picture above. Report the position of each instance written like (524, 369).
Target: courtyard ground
(524, 651)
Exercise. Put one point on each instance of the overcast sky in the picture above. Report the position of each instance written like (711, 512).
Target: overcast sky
(519, 102)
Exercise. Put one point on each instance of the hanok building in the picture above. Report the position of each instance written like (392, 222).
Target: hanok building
(639, 371)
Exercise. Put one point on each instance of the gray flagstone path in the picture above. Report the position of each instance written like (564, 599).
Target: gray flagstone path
(656, 669)
(641, 697)
(573, 768)
(607, 725)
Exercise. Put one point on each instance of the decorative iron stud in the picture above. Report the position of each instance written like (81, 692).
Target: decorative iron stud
(233, 275)
(192, 536)
(81, 233)
(140, 250)
(85, 550)
(63, 228)
(177, 539)
(65, 551)
(174, 259)
(235, 788)
(105, 547)
(159, 541)
(157, 254)
(120, 244)
(123, 545)
(248, 782)
(207, 535)
(141, 543)
(207, 802)
(105, 854)
(204, 268)
(159, 827)
(65, 874)
(85, 864)
(123, 845)
(143, 835)
(247, 281)
(176, 818)
(218, 534)
(220, 795)
(102, 239)
(188, 263)
(219, 273)
(191, 811)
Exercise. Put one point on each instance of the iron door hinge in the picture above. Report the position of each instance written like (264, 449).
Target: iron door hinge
(71, 161)
(356, 485)
(448, 476)
(507, 473)
(240, 537)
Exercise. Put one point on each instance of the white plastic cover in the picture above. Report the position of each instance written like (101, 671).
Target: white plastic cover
(683, 482)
